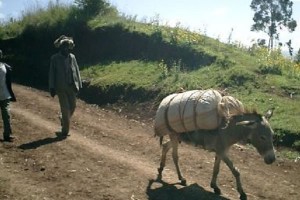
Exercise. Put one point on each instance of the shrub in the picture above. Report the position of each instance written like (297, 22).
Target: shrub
(235, 78)
(270, 70)
(91, 8)
(224, 62)
(296, 145)
(273, 62)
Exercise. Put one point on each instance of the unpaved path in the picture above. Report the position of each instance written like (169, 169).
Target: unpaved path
(111, 157)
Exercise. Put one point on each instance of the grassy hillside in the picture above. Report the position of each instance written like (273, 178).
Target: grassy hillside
(133, 62)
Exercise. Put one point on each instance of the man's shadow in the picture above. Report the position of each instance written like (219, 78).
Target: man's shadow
(166, 191)
(36, 144)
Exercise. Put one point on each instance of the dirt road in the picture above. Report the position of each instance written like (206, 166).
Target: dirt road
(111, 157)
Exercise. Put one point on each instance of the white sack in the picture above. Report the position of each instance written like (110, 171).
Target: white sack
(230, 106)
(188, 111)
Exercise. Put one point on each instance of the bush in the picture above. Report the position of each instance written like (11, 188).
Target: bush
(273, 62)
(224, 62)
(270, 70)
(235, 78)
(91, 8)
(296, 145)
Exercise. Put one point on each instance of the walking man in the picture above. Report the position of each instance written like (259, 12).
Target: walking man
(6, 95)
(64, 80)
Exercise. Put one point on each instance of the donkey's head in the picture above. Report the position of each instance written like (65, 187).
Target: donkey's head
(261, 134)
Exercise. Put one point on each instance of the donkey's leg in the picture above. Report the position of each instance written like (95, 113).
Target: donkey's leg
(213, 183)
(165, 148)
(236, 174)
(175, 142)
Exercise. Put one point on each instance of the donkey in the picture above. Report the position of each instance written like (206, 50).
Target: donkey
(248, 126)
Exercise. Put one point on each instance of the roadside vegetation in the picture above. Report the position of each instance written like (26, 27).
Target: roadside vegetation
(137, 62)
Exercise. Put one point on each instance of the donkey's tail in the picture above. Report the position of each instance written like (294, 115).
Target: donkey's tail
(161, 140)
(156, 133)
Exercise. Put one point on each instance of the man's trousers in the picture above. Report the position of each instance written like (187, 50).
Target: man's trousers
(4, 104)
(67, 101)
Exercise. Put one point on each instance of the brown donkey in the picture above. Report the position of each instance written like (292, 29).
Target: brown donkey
(247, 127)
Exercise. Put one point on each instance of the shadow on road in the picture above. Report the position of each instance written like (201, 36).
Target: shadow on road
(36, 144)
(159, 190)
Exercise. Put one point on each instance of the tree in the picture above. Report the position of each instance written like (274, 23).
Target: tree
(91, 8)
(291, 49)
(271, 16)
(261, 42)
(297, 58)
(230, 36)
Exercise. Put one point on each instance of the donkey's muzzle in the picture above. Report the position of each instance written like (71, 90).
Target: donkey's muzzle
(269, 157)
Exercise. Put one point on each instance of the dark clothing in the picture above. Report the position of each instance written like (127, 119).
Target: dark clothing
(65, 81)
(8, 81)
(6, 119)
(63, 72)
(4, 105)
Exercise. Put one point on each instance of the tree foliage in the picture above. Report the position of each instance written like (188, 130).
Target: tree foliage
(271, 16)
(297, 58)
(91, 8)
(291, 49)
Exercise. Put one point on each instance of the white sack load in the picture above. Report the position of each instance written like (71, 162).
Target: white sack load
(230, 106)
(188, 111)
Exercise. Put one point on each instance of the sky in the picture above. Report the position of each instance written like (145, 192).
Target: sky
(216, 18)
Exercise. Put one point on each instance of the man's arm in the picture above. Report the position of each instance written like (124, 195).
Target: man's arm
(52, 78)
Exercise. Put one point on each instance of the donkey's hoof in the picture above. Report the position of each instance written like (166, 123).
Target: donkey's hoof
(217, 191)
(183, 182)
(160, 170)
(159, 177)
(243, 196)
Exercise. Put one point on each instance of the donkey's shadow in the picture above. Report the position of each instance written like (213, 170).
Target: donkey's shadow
(166, 191)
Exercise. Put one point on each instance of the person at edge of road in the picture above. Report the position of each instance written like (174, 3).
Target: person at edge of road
(64, 80)
(6, 95)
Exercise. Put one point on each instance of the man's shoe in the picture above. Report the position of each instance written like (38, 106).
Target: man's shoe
(9, 139)
(65, 134)
(60, 119)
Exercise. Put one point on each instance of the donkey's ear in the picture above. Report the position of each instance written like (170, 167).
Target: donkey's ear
(251, 124)
(269, 113)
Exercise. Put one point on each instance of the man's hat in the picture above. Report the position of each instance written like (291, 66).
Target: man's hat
(64, 39)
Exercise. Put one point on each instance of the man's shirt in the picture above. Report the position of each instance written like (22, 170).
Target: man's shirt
(4, 93)
(64, 71)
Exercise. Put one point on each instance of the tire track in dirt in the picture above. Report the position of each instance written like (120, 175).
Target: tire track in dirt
(87, 116)
(136, 163)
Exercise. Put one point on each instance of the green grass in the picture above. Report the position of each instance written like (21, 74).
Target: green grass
(139, 73)
(36, 17)
(291, 155)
